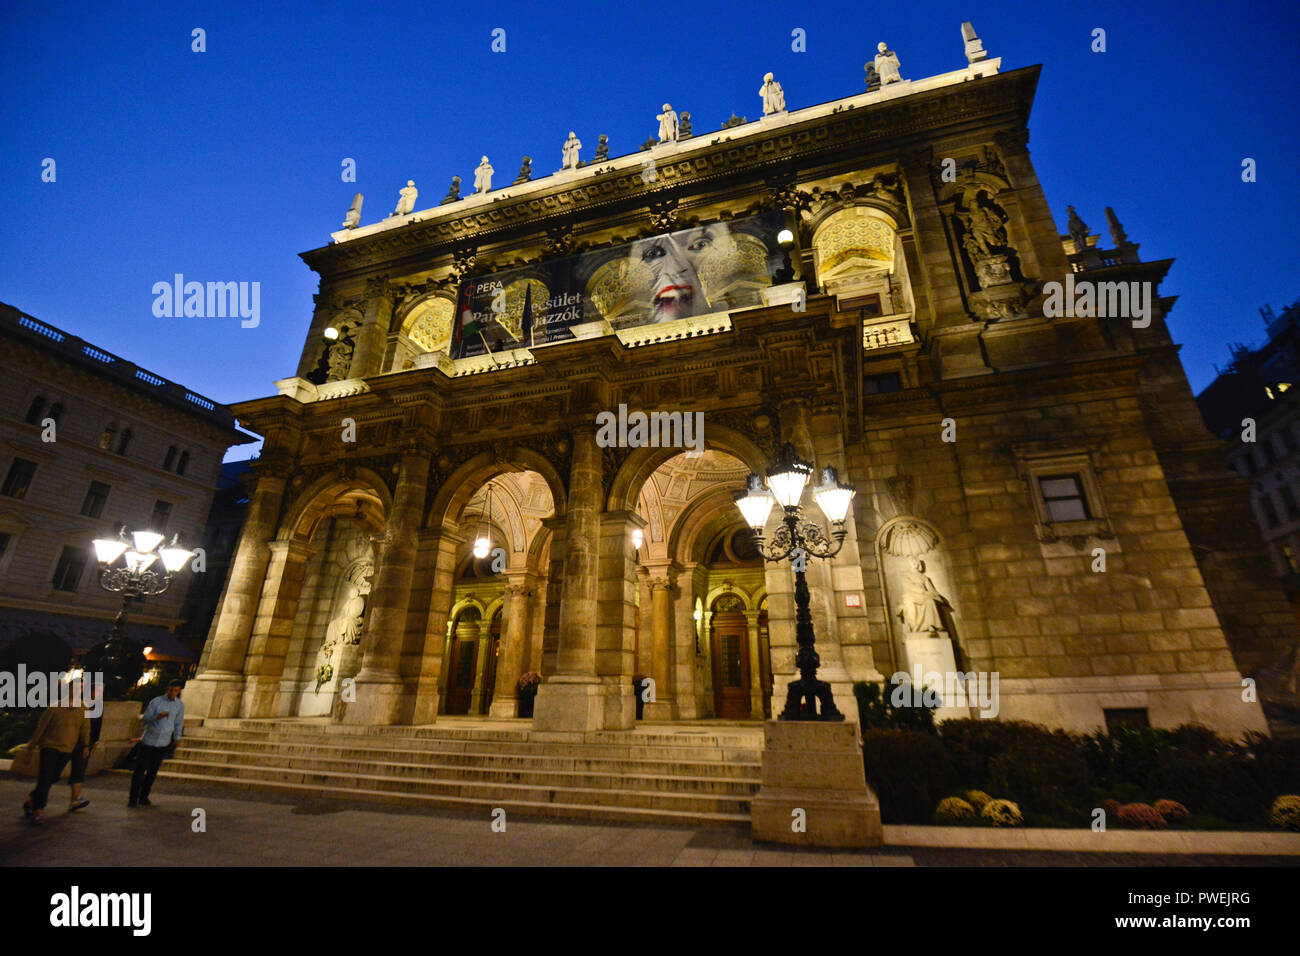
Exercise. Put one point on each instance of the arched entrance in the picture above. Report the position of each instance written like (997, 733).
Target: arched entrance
(729, 640)
(462, 660)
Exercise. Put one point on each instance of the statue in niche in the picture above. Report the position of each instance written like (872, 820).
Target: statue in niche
(887, 65)
(921, 607)
(344, 630)
(340, 359)
(772, 94)
(984, 229)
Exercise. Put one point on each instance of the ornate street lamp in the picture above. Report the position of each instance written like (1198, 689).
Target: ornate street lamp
(136, 577)
(785, 486)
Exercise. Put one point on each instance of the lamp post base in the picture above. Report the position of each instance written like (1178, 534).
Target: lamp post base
(802, 697)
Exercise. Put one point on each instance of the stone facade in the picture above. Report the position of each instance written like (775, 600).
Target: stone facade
(1000, 449)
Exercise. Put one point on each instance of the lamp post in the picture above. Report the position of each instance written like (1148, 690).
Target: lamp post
(786, 480)
(135, 578)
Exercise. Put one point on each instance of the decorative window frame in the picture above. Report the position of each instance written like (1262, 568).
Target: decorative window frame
(1035, 465)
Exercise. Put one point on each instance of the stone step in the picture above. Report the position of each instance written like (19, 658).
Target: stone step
(510, 804)
(670, 735)
(624, 749)
(484, 794)
(416, 774)
(298, 750)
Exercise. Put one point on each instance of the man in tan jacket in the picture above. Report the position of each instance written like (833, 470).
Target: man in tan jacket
(60, 732)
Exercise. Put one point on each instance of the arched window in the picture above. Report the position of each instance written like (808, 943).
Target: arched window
(124, 443)
(170, 458)
(56, 412)
(183, 463)
(106, 439)
(35, 410)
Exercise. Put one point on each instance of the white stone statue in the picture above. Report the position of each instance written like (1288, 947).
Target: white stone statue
(353, 218)
(773, 96)
(483, 176)
(667, 124)
(920, 608)
(887, 65)
(407, 202)
(571, 147)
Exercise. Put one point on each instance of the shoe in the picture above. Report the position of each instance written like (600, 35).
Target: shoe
(144, 802)
(79, 805)
(132, 802)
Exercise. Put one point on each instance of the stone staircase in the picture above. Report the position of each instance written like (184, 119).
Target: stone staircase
(665, 774)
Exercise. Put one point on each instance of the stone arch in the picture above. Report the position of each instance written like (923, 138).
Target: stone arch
(462, 484)
(364, 492)
(858, 239)
(426, 322)
(701, 522)
(642, 462)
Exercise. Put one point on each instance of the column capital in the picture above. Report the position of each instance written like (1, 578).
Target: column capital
(300, 550)
(519, 589)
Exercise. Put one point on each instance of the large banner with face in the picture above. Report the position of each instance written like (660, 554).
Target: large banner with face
(716, 267)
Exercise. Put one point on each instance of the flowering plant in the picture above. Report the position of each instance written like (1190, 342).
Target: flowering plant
(1141, 816)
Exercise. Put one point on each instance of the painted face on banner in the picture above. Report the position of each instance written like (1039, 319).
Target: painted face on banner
(676, 262)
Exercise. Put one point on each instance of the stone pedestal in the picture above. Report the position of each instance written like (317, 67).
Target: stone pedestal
(816, 767)
(569, 705)
(931, 660)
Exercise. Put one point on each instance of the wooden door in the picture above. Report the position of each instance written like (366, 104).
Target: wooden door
(460, 676)
(730, 645)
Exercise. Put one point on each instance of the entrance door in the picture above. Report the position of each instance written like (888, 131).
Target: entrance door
(730, 665)
(460, 682)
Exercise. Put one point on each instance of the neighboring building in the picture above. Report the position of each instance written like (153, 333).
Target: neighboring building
(1254, 408)
(876, 280)
(92, 442)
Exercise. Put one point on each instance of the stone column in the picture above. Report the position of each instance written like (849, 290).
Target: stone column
(615, 616)
(446, 548)
(755, 665)
(273, 628)
(552, 598)
(372, 337)
(661, 633)
(482, 637)
(379, 685)
(218, 690)
(570, 700)
(505, 698)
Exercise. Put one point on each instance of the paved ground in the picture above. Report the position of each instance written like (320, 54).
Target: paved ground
(265, 830)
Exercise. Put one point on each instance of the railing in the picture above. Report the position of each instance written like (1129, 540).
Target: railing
(884, 335)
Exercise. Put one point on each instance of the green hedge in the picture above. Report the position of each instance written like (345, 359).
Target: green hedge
(1058, 777)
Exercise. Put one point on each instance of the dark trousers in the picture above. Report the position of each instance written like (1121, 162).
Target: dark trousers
(147, 761)
(52, 764)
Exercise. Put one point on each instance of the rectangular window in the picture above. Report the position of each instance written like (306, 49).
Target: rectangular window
(879, 384)
(67, 574)
(1270, 512)
(19, 478)
(96, 498)
(1132, 717)
(162, 512)
(1063, 497)
(1288, 501)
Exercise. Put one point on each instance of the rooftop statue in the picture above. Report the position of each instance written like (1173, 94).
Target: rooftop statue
(570, 151)
(667, 125)
(684, 127)
(407, 202)
(602, 149)
(773, 96)
(1078, 230)
(525, 171)
(453, 193)
(353, 218)
(483, 176)
(887, 65)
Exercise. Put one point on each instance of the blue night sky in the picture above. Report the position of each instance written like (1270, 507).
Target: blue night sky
(224, 165)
